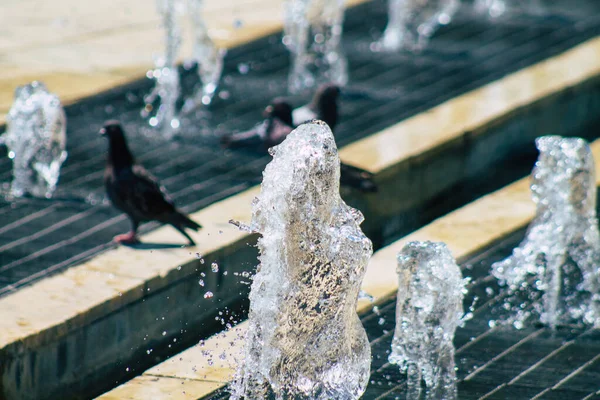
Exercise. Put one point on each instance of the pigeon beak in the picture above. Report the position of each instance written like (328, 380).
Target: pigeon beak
(102, 131)
(268, 111)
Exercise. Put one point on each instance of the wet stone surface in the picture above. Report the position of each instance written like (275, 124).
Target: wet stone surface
(39, 237)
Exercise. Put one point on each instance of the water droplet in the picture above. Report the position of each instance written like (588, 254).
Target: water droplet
(201, 282)
(214, 267)
(243, 68)
(208, 295)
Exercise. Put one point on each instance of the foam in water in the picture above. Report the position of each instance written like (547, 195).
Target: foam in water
(411, 23)
(313, 34)
(429, 309)
(305, 340)
(558, 259)
(36, 140)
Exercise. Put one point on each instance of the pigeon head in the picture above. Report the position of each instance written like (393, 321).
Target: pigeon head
(325, 103)
(327, 92)
(112, 129)
(118, 151)
(281, 110)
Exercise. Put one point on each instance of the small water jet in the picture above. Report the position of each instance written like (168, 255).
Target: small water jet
(167, 80)
(429, 308)
(411, 23)
(305, 340)
(498, 8)
(559, 257)
(36, 140)
(313, 34)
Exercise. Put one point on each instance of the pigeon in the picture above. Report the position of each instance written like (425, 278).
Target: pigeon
(135, 191)
(357, 178)
(275, 129)
(323, 106)
(272, 131)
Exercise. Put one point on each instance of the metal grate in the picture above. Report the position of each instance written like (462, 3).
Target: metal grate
(493, 363)
(39, 237)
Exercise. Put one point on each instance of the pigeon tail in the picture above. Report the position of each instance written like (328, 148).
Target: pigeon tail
(357, 178)
(184, 221)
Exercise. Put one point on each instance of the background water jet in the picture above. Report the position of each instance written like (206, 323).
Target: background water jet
(313, 35)
(558, 259)
(36, 140)
(412, 22)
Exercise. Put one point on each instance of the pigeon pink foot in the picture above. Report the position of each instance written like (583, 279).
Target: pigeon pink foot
(126, 238)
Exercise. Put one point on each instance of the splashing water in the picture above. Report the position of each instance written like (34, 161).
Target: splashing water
(305, 340)
(560, 254)
(167, 87)
(313, 34)
(166, 74)
(208, 57)
(36, 140)
(494, 8)
(411, 23)
(428, 311)
(498, 8)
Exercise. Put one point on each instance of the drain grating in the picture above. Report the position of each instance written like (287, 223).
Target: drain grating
(39, 237)
(493, 363)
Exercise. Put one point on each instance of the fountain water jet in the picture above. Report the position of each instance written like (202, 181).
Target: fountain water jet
(429, 309)
(305, 340)
(313, 34)
(561, 250)
(166, 75)
(412, 22)
(208, 57)
(36, 140)
(497, 8)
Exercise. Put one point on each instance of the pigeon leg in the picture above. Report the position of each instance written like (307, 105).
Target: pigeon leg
(129, 237)
(126, 238)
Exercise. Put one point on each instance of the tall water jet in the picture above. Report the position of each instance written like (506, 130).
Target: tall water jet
(208, 57)
(305, 340)
(36, 140)
(313, 34)
(166, 75)
(558, 259)
(429, 308)
(411, 23)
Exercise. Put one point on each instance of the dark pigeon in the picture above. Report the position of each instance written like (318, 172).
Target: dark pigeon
(324, 106)
(135, 191)
(357, 178)
(275, 129)
(271, 132)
